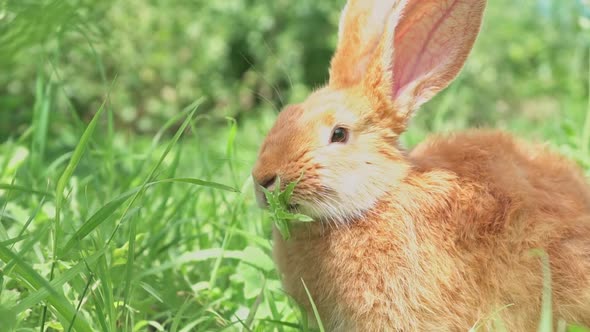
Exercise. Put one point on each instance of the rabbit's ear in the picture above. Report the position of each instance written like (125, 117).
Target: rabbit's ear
(361, 27)
(423, 48)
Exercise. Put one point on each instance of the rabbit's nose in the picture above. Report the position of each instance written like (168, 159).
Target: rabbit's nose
(264, 180)
(267, 182)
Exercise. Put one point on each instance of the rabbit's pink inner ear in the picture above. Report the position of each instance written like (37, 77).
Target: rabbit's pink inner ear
(431, 43)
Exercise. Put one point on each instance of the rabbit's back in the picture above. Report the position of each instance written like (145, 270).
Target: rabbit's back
(529, 179)
(513, 197)
(497, 158)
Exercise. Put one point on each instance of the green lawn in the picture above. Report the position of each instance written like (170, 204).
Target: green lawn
(106, 226)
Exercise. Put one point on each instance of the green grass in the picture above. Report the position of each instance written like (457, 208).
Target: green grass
(142, 238)
(103, 228)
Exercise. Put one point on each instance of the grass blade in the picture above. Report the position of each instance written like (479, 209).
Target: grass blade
(96, 219)
(44, 96)
(198, 182)
(13, 240)
(546, 322)
(585, 144)
(270, 300)
(76, 157)
(130, 261)
(36, 282)
(230, 150)
(111, 207)
(313, 307)
(61, 185)
(82, 297)
(13, 187)
(178, 316)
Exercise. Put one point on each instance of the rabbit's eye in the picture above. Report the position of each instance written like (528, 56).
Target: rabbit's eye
(339, 135)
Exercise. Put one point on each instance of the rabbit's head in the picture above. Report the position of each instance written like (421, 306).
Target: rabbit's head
(392, 56)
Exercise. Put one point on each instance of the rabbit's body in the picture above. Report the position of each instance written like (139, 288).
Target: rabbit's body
(451, 245)
(438, 239)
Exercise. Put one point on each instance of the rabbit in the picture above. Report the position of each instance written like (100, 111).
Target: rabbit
(437, 238)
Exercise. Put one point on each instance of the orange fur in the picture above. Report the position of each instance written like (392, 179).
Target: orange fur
(435, 239)
(455, 246)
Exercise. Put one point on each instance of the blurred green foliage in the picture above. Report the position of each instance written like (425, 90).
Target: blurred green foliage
(165, 54)
(244, 55)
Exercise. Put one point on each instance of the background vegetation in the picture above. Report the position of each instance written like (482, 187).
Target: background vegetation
(89, 226)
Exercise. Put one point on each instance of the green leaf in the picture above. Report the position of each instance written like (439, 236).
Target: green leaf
(257, 257)
(278, 206)
(251, 279)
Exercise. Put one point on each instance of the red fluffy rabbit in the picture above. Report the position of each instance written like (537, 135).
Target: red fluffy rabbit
(433, 239)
